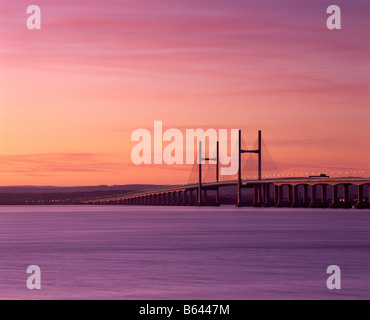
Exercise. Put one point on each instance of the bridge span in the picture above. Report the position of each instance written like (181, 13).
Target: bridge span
(320, 191)
(292, 192)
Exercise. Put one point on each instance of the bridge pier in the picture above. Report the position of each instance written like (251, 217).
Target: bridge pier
(217, 200)
(185, 194)
(240, 202)
(166, 198)
(335, 200)
(155, 199)
(169, 198)
(190, 203)
(257, 196)
(281, 203)
(296, 202)
(276, 195)
(279, 193)
(313, 203)
(174, 198)
(196, 198)
(341, 203)
(305, 196)
(324, 196)
(205, 197)
(267, 196)
(178, 198)
(199, 197)
(361, 201)
(290, 195)
(182, 198)
(212, 200)
(323, 203)
(190, 197)
(346, 203)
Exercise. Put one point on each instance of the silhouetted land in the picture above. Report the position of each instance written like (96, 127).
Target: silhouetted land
(28, 195)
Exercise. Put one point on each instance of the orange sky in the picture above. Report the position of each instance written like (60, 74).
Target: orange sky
(72, 92)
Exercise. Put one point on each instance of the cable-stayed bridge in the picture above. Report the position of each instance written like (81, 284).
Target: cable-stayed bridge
(250, 189)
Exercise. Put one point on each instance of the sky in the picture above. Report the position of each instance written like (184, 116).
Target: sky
(72, 93)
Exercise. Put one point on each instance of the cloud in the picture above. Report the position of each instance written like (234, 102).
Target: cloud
(44, 164)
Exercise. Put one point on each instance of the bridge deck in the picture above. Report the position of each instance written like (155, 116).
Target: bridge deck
(245, 183)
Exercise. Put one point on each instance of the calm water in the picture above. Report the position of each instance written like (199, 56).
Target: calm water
(183, 253)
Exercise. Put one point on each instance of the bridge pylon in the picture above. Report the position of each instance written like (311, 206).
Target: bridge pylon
(202, 200)
(241, 151)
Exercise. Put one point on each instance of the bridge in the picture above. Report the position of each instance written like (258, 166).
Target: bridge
(305, 192)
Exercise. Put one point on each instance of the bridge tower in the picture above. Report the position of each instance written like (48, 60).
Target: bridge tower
(241, 151)
(200, 160)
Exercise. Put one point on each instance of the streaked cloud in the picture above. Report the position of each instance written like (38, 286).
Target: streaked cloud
(72, 92)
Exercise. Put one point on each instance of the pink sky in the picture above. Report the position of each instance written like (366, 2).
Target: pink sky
(72, 92)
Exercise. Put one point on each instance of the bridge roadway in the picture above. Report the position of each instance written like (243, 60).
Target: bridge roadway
(277, 192)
